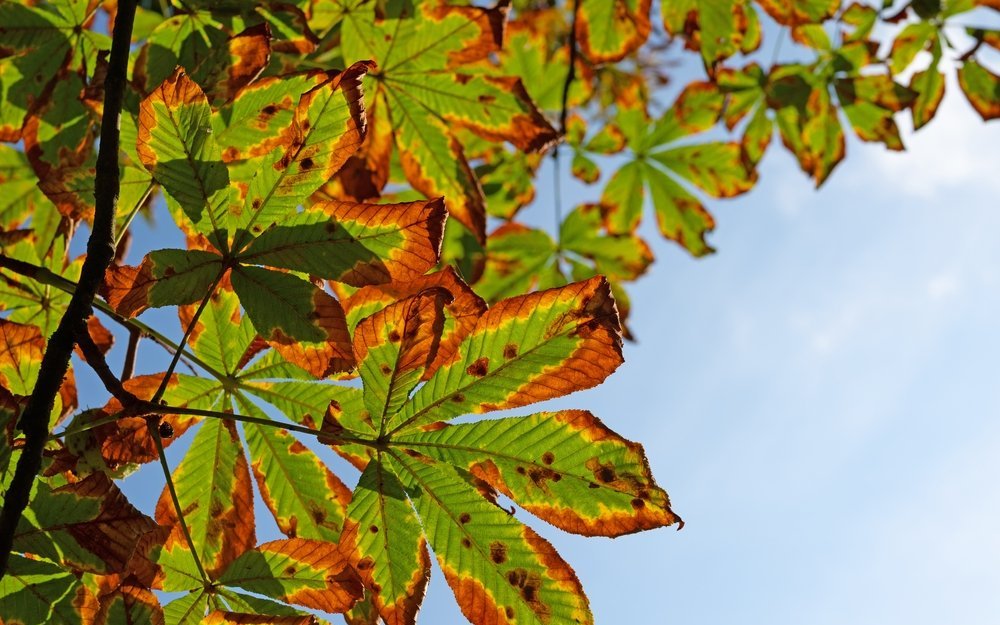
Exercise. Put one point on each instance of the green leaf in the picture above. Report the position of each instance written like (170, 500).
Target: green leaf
(177, 146)
(189, 609)
(624, 257)
(566, 467)
(306, 499)
(387, 545)
(610, 30)
(719, 28)
(497, 567)
(33, 591)
(327, 127)
(359, 244)
(517, 255)
(908, 43)
(524, 350)
(982, 88)
(164, 278)
(310, 573)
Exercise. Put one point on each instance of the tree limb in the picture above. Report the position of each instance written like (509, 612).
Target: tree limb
(100, 251)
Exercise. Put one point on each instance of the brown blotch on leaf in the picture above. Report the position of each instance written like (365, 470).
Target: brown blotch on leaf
(458, 398)
(509, 611)
(510, 351)
(638, 504)
(605, 473)
(290, 571)
(466, 543)
(498, 552)
(464, 518)
(373, 529)
(365, 563)
(548, 457)
(306, 163)
(479, 368)
(394, 337)
(386, 369)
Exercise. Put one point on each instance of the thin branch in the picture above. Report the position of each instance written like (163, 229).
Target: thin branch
(177, 503)
(93, 356)
(184, 339)
(128, 367)
(47, 277)
(90, 425)
(100, 251)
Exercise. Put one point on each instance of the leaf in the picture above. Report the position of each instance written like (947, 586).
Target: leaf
(798, 12)
(220, 338)
(565, 467)
(310, 573)
(298, 319)
(33, 591)
(506, 573)
(609, 31)
(982, 88)
(87, 525)
(127, 603)
(461, 313)
(177, 146)
(21, 349)
(624, 257)
(908, 43)
(523, 350)
(517, 256)
(327, 127)
(236, 618)
(358, 244)
(718, 28)
(213, 487)
(39, 41)
(164, 278)
(929, 85)
(306, 499)
(387, 546)
(188, 609)
(425, 89)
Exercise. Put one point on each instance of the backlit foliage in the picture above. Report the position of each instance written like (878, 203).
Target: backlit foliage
(348, 177)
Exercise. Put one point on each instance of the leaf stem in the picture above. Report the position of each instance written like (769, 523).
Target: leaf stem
(177, 504)
(132, 213)
(184, 339)
(34, 421)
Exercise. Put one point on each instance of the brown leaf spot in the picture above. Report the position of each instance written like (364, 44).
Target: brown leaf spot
(464, 518)
(466, 543)
(373, 529)
(479, 368)
(498, 552)
(394, 337)
(548, 457)
(386, 369)
(510, 351)
(638, 504)
(306, 163)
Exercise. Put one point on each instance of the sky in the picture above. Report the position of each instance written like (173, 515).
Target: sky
(819, 398)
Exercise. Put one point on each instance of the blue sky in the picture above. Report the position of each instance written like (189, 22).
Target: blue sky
(820, 398)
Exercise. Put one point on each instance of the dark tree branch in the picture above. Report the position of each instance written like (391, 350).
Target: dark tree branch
(128, 367)
(96, 360)
(100, 251)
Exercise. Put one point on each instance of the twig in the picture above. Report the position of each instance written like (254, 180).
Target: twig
(128, 367)
(92, 354)
(184, 339)
(100, 251)
(571, 74)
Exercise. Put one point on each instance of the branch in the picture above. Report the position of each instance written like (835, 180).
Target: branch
(100, 251)
(93, 356)
(571, 75)
(128, 367)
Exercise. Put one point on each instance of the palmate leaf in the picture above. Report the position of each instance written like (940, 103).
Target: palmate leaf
(425, 482)
(668, 170)
(427, 83)
(39, 42)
